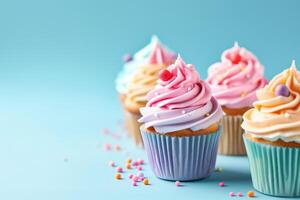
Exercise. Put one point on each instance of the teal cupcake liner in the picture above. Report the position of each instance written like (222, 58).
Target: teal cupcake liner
(274, 170)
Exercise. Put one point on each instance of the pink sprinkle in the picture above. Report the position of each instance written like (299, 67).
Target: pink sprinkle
(112, 164)
(139, 168)
(105, 131)
(135, 163)
(222, 184)
(130, 176)
(177, 183)
(231, 194)
(135, 178)
(240, 194)
(140, 174)
(140, 161)
(142, 178)
(107, 147)
(134, 183)
(119, 169)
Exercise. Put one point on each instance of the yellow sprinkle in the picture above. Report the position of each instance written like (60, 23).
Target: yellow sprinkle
(129, 160)
(146, 181)
(118, 176)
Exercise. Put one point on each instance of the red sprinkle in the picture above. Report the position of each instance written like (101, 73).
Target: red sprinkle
(235, 58)
(165, 75)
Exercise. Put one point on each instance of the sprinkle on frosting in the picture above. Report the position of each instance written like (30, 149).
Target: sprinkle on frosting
(177, 106)
(276, 114)
(235, 79)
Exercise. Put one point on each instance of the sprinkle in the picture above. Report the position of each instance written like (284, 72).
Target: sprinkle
(207, 114)
(287, 115)
(129, 160)
(140, 161)
(118, 147)
(135, 163)
(239, 194)
(142, 178)
(231, 194)
(134, 183)
(221, 184)
(112, 164)
(242, 67)
(146, 181)
(128, 166)
(139, 167)
(177, 183)
(119, 169)
(243, 94)
(140, 174)
(130, 176)
(107, 147)
(282, 90)
(135, 178)
(118, 176)
(183, 112)
(250, 194)
(165, 75)
(127, 58)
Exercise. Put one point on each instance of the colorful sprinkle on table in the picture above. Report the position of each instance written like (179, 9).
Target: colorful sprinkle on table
(177, 183)
(250, 194)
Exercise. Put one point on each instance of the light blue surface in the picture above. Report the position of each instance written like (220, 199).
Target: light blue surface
(58, 62)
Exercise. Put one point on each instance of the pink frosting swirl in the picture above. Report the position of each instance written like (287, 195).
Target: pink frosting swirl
(181, 102)
(236, 78)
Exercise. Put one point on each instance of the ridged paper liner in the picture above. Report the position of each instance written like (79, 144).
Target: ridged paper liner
(181, 158)
(133, 127)
(274, 170)
(231, 139)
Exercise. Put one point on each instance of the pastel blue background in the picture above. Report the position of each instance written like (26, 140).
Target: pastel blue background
(58, 62)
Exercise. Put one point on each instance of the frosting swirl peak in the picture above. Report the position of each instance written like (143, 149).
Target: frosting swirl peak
(182, 101)
(276, 113)
(235, 79)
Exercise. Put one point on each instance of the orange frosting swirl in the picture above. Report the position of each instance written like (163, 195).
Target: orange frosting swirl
(276, 116)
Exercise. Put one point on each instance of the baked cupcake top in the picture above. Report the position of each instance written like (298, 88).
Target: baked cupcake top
(146, 77)
(133, 63)
(180, 101)
(276, 113)
(235, 79)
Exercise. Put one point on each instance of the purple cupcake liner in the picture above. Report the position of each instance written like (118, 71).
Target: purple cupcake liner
(181, 158)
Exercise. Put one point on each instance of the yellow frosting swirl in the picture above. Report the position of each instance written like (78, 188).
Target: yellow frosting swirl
(275, 116)
(143, 81)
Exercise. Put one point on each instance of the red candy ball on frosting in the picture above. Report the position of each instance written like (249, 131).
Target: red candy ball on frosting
(165, 75)
(235, 58)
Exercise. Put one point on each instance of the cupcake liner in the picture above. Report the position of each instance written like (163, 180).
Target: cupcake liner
(133, 127)
(231, 139)
(181, 158)
(274, 170)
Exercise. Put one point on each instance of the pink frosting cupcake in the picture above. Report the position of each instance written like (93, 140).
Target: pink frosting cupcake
(180, 125)
(234, 82)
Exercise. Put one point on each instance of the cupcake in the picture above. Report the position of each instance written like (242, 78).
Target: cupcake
(131, 64)
(180, 125)
(144, 80)
(234, 81)
(272, 136)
